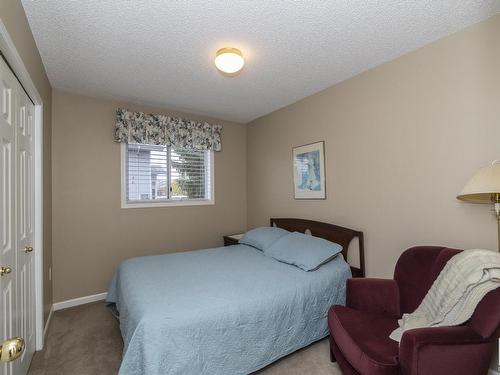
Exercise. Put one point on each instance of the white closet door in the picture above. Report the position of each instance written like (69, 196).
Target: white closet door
(25, 258)
(8, 120)
(16, 226)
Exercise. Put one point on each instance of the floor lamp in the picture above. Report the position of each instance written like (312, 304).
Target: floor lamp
(484, 187)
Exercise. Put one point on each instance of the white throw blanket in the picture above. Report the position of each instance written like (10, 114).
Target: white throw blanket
(454, 295)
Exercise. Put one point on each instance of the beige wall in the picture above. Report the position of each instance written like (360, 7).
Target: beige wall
(91, 233)
(13, 16)
(401, 141)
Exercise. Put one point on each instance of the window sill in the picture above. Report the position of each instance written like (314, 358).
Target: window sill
(172, 203)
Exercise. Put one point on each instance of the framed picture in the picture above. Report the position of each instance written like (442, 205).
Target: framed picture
(309, 171)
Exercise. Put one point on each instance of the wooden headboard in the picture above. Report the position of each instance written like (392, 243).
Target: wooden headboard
(342, 236)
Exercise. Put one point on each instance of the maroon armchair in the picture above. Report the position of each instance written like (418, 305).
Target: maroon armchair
(359, 331)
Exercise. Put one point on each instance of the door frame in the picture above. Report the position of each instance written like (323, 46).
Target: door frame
(9, 50)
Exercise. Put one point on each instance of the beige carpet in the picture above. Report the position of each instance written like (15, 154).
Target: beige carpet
(85, 340)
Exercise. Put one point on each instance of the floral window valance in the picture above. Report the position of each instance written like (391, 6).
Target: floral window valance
(139, 127)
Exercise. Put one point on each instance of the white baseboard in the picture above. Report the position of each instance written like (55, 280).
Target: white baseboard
(40, 344)
(48, 322)
(79, 301)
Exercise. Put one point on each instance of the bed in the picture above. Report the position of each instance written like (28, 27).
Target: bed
(229, 310)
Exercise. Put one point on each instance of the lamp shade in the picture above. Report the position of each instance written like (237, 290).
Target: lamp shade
(484, 186)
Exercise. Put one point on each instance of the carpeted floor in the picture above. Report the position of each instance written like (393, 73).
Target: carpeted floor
(85, 340)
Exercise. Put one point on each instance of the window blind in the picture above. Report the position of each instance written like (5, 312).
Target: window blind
(160, 173)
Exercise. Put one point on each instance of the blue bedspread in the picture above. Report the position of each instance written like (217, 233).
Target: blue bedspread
(230, 310)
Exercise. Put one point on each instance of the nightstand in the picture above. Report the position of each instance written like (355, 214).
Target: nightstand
(232, 239)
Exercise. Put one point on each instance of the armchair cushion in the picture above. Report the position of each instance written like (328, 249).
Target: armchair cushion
(481, 321)
(363, 339)
(373, 295)
(444, 350)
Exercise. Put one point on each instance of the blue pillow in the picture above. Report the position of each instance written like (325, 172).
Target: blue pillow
(263, 237)
(304, 251)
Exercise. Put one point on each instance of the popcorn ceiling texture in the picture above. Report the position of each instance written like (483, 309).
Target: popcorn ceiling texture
(161, 52)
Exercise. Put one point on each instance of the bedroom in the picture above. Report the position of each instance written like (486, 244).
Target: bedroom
(403, 99)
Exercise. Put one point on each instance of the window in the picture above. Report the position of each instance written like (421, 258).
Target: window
(156, 175)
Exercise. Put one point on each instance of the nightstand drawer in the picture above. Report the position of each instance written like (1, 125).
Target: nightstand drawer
(232, 239)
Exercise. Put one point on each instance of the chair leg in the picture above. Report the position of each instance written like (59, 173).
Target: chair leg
(332, 356)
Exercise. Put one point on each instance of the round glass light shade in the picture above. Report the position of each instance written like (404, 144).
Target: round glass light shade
(229, 60)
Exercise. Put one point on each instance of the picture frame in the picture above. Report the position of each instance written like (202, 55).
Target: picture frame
(309, 179)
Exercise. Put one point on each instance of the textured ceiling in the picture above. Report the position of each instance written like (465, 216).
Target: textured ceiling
(161, 52)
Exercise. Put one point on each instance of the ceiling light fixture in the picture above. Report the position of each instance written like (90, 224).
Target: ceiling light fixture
(229, 60)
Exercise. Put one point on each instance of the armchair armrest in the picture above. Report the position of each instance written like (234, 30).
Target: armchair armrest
(373, 295)
(444, 350)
